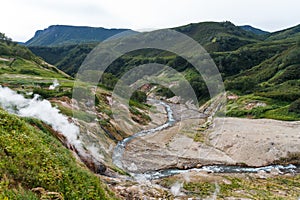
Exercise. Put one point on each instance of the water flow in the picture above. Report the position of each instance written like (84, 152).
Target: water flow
(120, 148)
(220, 169)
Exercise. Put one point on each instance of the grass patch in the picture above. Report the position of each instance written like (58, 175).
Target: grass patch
(201, 189)
(81, 115)
(253, 106)
(139, 117)
(282, 114)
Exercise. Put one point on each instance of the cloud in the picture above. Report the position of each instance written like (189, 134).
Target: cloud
(20, 19)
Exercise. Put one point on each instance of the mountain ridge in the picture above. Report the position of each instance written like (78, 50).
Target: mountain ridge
(254, 30)
(58, 35)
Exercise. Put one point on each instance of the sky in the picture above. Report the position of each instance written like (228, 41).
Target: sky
(21, 18)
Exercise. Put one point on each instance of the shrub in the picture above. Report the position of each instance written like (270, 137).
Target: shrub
(139, 96)
(31, 158)
(295, 106)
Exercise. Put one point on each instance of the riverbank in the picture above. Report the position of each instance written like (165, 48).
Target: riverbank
(230, 141)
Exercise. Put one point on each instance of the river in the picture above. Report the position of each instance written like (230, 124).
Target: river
(121, 147)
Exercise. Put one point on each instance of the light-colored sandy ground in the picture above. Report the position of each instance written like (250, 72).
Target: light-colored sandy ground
(254, 142)
(4, 59)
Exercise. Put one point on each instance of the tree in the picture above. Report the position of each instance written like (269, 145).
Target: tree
(139, 96)
(295, 107)
(3, 37)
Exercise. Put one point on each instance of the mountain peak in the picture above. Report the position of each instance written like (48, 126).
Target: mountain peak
(254, 30)
(57, 35)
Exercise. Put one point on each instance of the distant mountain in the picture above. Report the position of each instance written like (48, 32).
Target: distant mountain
(254, 30)
(58, 35)
(218, 36)
(286, 33)
(233, 48)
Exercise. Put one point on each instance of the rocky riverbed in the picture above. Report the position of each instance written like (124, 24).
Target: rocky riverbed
(229, 141)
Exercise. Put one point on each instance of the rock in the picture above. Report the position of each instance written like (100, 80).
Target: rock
(175, 100)
(227, 182)
(262, 174)
(179, 166)
(100, 168)
(275, 172)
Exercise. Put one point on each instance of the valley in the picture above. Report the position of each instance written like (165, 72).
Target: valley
(241, 144)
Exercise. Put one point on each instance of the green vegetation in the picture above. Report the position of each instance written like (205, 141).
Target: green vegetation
(275, 81)
(287, 33)
(139, 116)
(217, 37)
(202, 189)
(266, 65)
(295, 106)
(31, 158)
(10, 48)
(254, 30)
(238, 186)
(253, 106)
(81, 115)
(139, 96)
(261, 69)
(254, 188)
(68, 58)
(33, 163)
(165, 92)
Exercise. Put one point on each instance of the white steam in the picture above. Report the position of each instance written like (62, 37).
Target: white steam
(54, 85)
(40, 109)
(216, 192)
(176, 189)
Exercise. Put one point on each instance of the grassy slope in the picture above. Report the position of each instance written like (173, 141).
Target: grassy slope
(240, 187)
(264, 65)
(275, 82)
(30, 158)
(284, 34)
(213, 36)
(219, 36)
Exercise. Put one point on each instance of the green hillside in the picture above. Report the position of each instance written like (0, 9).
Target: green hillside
(34, 164)
(285, 34)
(67, 58)
(10, 48)
(213, 36)
(265, 65)
(218, 36)
(254, 30)
(228, 44)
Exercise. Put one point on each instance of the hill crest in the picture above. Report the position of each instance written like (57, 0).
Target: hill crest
(57, 35)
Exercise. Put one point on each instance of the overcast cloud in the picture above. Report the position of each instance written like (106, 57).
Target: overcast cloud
(21, 18)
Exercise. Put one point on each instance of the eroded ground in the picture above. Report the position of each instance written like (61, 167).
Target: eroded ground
(230, 141)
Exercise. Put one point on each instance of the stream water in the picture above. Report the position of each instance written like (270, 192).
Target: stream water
(120, 148)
